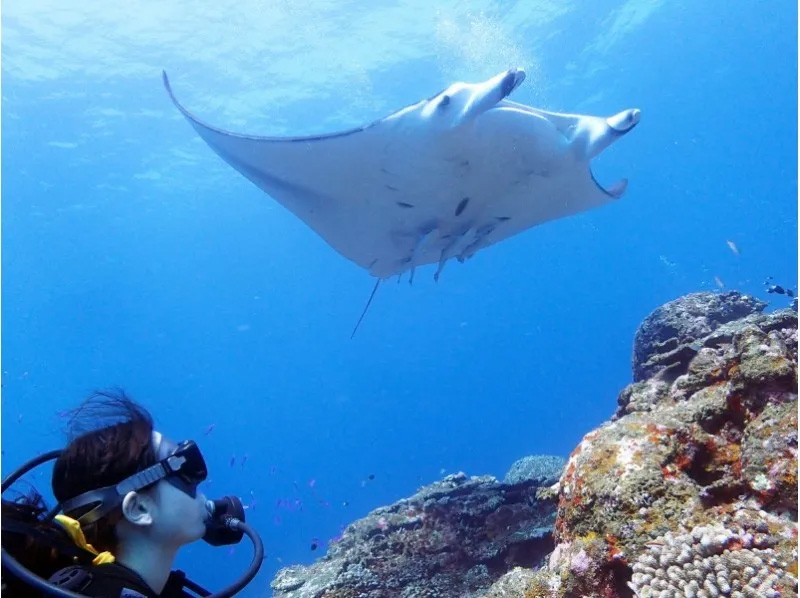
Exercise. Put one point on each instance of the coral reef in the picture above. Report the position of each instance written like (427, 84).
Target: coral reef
(451, 539)
(689, 491)
(709, 439)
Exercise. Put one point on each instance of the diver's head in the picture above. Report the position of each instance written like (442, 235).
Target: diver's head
(134, 493)
(127, 483)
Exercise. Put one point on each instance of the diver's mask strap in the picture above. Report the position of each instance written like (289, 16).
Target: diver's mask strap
(110, 497)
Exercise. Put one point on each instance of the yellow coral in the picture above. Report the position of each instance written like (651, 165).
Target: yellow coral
(793, 568)
(590, 537)
(538, 588)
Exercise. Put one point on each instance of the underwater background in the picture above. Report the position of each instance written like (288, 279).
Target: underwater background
(133, 256)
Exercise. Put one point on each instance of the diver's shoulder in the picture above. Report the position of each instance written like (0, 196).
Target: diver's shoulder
(109, 580)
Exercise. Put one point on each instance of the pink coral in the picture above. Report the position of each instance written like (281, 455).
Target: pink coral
(580, 562)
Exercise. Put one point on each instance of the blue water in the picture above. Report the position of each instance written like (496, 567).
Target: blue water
(133, 256)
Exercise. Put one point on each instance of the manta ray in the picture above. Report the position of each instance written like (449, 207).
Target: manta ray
(442, 178)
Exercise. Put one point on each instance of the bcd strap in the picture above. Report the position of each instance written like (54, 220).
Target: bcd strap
(73, 529)
(108, 580)
(75, 579)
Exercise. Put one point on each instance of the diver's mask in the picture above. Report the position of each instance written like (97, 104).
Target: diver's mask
(182, 466)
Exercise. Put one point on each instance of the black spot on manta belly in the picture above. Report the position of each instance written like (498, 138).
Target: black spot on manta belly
(503, 218)
(461, 206)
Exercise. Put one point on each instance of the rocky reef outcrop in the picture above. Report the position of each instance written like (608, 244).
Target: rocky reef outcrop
(450, 539)
(689, 491)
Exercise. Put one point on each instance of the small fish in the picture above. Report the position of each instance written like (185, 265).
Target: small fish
(272, 470)
(209, 429)
(775, 288)
(19, 418)
(244, 459)
(733, 247)
(345, 503)
(276, 520)
(371, 476)
(314, 543)
(312, 482)
(719, 282)
(233, 459)
(778, 289)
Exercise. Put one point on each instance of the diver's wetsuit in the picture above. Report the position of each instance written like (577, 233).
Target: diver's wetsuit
(113, 580)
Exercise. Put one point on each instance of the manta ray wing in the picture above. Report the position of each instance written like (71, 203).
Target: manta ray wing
(337, 184)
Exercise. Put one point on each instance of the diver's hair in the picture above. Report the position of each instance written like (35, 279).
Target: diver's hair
(33, 551)
(110, 439)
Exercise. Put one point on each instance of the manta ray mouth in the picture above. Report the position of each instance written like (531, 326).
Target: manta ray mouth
(616, 126)
(615, 190)
(513, 79)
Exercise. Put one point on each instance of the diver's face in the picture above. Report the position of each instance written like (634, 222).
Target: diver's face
(179, 519)
(180, 510)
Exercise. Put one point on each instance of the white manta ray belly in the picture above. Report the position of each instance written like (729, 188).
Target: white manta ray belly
(437, 180)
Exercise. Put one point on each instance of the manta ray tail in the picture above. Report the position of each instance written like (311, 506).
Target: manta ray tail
(366, 307)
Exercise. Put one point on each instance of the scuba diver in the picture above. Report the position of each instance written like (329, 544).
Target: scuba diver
(129, 500)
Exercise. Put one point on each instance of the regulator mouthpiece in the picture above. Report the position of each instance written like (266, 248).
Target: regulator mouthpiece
(224, 515)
